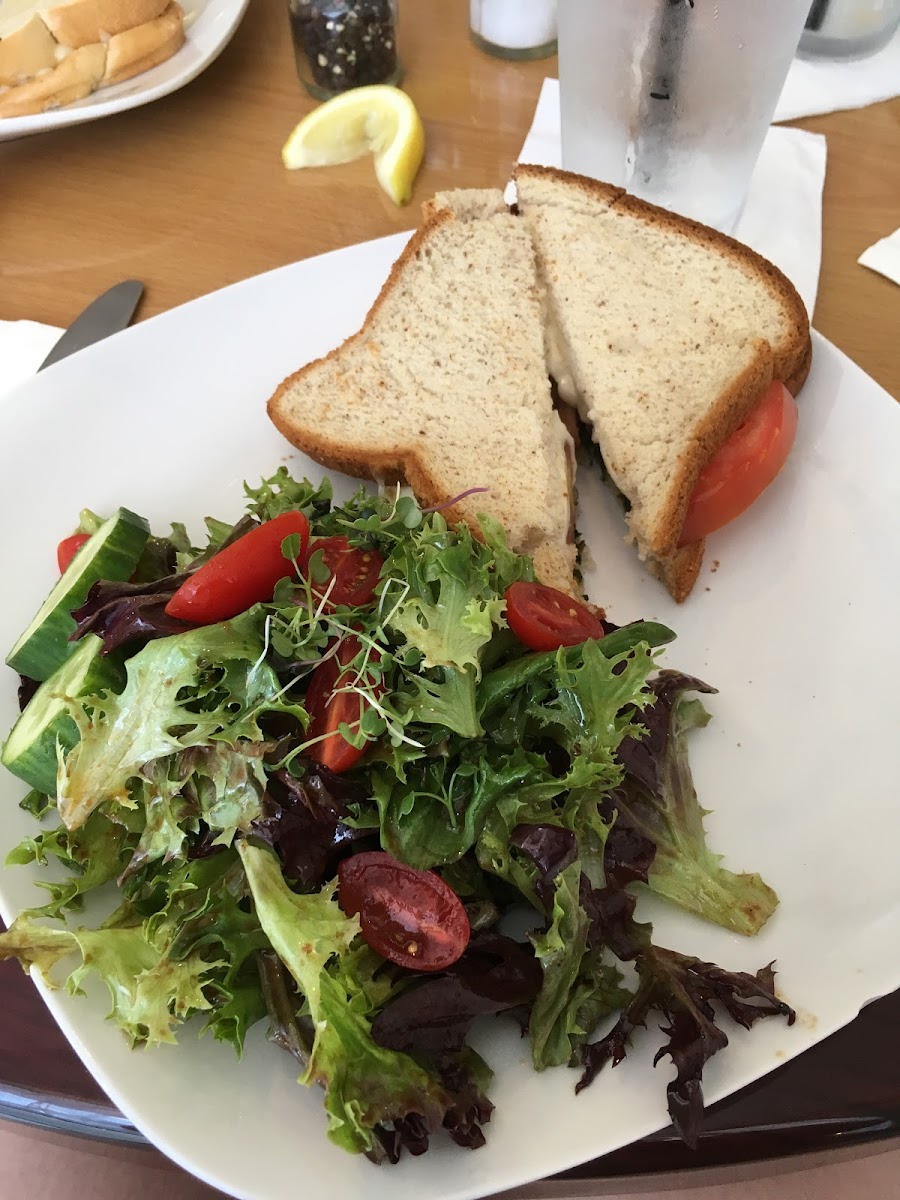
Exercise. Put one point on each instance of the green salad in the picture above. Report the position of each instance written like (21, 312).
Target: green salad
(323, 764)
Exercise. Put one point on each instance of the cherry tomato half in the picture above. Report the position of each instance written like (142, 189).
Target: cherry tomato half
(243, 574)
(410, 917)
(353, 572)
(331, 708)
(545, 619)
(744, 466)
(68, 548)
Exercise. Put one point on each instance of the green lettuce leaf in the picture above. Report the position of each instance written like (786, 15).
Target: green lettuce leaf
(182, 691)
(448, 702)
(365, 1085)
(438, 813)
(579, 988)
(545, 801)
(596, 701)
(94, 854)
(150, 993)
(205, 914)
(449, 606)
(559, 949)
(282, 493)
(685, 871)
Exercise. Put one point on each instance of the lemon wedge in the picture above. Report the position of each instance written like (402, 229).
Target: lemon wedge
(377, 120)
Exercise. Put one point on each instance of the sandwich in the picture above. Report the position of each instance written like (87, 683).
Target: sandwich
(63, 53)
(445, 387)
(664, 336)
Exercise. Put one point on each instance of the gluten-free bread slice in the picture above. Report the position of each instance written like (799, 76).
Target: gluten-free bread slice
(445, 386)
(664, 334)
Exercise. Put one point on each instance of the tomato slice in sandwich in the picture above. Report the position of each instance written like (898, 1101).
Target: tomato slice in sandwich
(744, 466)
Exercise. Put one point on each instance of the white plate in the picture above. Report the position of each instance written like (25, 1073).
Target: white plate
(798, 628)
(210, 25)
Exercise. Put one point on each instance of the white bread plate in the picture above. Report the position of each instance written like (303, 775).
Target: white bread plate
(793, 619)
(209, 26)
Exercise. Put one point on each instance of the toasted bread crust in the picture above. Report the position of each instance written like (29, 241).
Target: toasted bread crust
(83, 22)
(137, 50)
(680, 570)
(729, 411)
(72, 79)
(795, 382)
(400, 464)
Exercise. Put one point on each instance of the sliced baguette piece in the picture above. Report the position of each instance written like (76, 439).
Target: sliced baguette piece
(665, 334)
(76, 76)
(25, 52)
(445, 386)
(145, 46)
(85, 22)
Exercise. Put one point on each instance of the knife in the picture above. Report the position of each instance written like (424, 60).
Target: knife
(107, 314)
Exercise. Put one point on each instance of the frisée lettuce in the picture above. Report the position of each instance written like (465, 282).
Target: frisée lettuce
(552, 783)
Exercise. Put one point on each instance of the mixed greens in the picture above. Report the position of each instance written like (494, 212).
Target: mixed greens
(554, 782)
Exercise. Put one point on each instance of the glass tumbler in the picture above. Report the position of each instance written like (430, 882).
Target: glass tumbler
(849, 28)
(671, 99)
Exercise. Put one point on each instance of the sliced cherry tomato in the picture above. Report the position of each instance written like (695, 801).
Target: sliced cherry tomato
(330, 708)
(243, 574)
(744, 466)
(353, 572)
(545, 619)
(411, 917)
(68, 548)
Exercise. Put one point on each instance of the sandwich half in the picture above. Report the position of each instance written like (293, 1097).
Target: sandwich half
(665, 335)
(445, 387)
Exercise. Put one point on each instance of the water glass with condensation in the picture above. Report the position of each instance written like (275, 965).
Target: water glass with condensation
(671, 99)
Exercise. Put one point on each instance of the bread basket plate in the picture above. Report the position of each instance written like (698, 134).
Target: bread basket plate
(209, 27)
(793, 619)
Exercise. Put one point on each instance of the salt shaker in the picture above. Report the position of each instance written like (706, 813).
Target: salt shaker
(343, 44)
(514, 28)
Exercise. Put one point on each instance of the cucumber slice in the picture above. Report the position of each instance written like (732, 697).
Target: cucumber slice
(112, 553)
(30, 749)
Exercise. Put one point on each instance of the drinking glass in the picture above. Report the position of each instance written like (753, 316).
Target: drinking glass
(671, 99)
(849, 28)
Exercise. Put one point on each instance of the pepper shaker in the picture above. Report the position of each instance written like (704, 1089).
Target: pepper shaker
(343, 44)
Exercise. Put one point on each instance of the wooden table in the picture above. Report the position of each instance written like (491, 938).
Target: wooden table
(189, 195)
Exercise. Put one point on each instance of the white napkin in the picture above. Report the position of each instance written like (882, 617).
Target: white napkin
(23, 347)
(884, 257)
(782, 219)
(824, 85)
